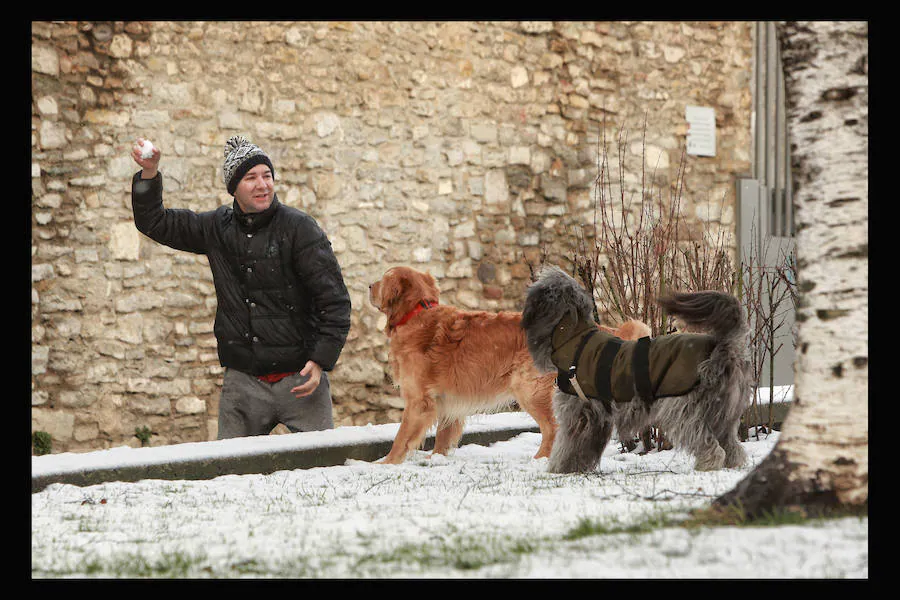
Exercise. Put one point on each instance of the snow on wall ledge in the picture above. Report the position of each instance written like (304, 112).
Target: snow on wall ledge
(268, 454)
(261, 454)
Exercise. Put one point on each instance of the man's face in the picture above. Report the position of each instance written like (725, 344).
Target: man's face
(255, 190)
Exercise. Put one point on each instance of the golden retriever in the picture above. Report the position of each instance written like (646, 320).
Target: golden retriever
(630, 331)
(451, 363)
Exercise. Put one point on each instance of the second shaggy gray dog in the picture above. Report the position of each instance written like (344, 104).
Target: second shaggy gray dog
(693, 386)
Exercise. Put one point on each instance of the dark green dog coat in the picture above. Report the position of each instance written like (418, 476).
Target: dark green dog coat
(610, 369)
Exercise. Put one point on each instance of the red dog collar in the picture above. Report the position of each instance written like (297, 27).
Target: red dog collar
(422, 305)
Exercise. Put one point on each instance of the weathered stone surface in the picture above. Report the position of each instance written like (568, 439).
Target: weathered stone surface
(361, 370)
(120, 46)
(518, 76)
(53, 135)
(45, 59)
(496, 189)
(124, 242)
(191, 405)
(59, 424)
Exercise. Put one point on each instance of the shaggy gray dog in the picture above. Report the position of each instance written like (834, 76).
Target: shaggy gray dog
(702, 417)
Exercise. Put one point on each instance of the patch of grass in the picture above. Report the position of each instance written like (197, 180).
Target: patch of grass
(85, 526)
(461, 553)
(588, 527)
(41, 443)
(143, 433)
(250, 567)
(172, 564)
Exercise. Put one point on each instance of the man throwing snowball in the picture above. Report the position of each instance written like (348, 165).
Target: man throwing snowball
(283, 310)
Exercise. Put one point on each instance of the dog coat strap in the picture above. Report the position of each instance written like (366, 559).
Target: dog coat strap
(603, 368)
(568, 382)
(562, 381)
(640, 365)
(580, 348)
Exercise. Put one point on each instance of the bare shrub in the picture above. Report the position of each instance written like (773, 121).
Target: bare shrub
(637, 248)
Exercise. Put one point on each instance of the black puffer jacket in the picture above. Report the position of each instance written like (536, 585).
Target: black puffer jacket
(281, 297)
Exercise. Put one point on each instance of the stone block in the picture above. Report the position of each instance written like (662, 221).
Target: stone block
(326, 123)
(484, 132)
(461, 268)
(554, 188)
(120, 46)
(150, 119)
(86, 432)
(496, 189)
(53, 135)
(190, 405)
(107, 117)
(42, 271)
(445, 186)
(518, 76)
(536, 27)
(149, 406)
(39, 398)
(122, 167)
(60, 425)
(75, 398)
(49, 201)
(124, 242)
(39, 359)
(673, 54)
(47, 106)
(138, 301)
(90, 181)
(129, 328)
(520, 155)
(45, 59)
(654, 156)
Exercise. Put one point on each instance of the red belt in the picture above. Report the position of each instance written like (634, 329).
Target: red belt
(273, 377)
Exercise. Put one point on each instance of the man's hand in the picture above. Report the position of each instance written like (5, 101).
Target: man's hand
(315, 375)
(148, 165)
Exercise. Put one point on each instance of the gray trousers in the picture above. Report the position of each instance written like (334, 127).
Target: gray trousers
(249, 406)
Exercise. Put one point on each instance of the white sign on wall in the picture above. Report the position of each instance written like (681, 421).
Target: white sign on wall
(701, 137)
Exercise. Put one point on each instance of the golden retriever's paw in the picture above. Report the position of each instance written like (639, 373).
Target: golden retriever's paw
(393, 460)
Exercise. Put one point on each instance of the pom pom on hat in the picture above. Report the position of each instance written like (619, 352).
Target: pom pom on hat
(241, 155)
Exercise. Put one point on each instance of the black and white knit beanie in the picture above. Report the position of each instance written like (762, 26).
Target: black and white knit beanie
(241, 155)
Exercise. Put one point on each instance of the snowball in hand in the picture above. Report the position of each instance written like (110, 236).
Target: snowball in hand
(146, 149)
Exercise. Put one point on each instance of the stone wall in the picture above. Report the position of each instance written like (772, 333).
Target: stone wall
(461, 148)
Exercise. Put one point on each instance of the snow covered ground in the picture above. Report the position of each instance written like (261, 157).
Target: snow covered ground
(482, 512)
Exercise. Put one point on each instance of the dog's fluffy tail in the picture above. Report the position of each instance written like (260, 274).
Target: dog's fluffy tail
(725, 375)
(717, 313)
